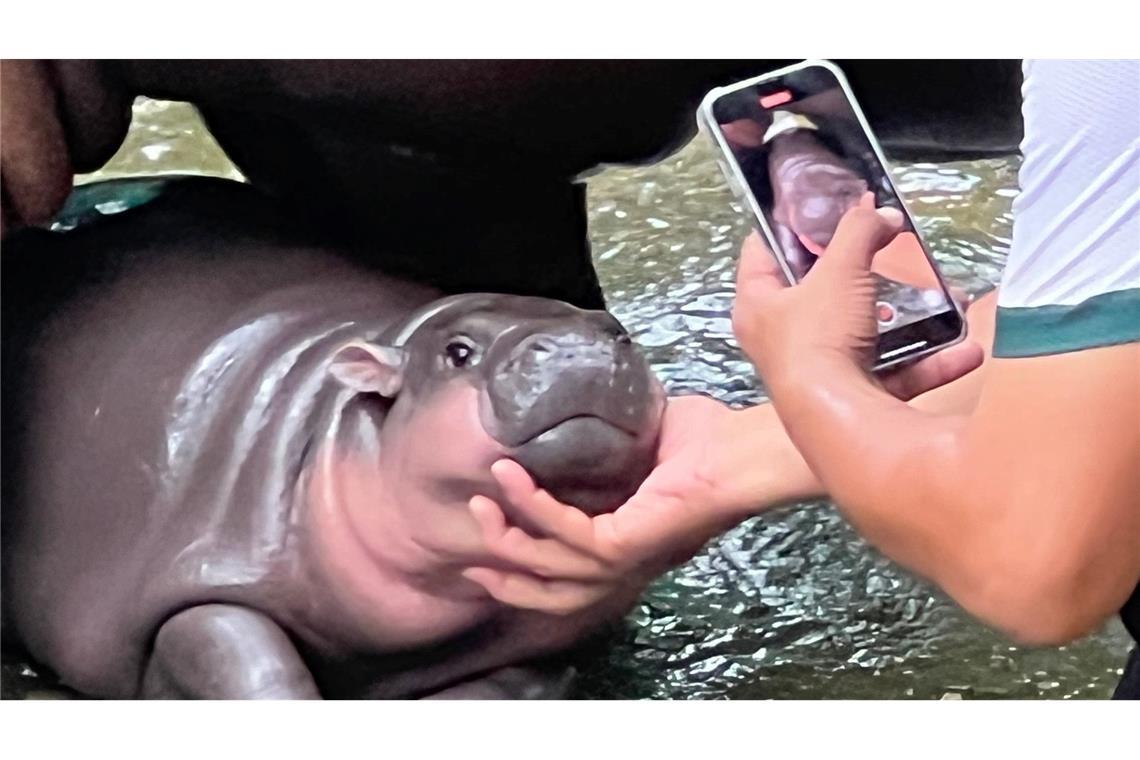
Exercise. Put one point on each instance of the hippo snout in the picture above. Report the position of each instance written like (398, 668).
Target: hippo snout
(579, 407)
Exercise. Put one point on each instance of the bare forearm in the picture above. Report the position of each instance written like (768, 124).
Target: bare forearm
(759, 467)
(1032, 526)
(905, 495)
(893, 469)
(876, 456)
(756, 466)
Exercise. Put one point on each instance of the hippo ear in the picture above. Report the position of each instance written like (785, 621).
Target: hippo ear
(368, 368)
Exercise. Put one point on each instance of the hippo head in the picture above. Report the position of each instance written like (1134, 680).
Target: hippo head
(473, 378)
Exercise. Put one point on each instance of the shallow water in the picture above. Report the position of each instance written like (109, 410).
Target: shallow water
(792, 604)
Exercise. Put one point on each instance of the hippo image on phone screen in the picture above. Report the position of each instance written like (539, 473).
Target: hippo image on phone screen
(237, 465)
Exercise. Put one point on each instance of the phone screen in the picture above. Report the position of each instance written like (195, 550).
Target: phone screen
(806, 160)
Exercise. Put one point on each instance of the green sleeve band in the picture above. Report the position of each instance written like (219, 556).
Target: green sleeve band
(1105, 320)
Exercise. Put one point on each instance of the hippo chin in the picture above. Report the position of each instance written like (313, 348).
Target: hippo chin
(575, 403)
(242, 463)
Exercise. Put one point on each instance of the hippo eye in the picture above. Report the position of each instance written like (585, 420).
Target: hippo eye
(459, 353)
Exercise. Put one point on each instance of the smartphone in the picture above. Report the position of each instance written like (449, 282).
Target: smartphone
(797, 151)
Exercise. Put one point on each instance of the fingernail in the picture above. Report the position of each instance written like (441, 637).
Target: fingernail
(892, 215)
(472, 575)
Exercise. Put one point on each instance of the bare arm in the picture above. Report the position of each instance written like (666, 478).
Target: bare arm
(1025, 509)
(756, 466)
(1033, 525)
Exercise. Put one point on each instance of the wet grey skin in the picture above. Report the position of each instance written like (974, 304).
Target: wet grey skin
(461, 173)
(236, 465)
(562, 389)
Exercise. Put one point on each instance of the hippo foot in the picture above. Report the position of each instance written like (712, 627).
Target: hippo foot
(514, 683)
(220, 651)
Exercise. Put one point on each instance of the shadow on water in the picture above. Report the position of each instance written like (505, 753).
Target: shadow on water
(792, 604)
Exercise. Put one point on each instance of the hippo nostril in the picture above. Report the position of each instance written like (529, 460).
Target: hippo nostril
(541, 348)
(623, 339)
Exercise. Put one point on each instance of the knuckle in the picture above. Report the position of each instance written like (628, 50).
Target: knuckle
(860, 215)
(514, 538)
(615, 553)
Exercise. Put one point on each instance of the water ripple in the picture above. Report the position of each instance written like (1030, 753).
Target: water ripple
(794, 604)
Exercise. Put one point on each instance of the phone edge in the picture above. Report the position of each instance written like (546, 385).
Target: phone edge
(738, 184)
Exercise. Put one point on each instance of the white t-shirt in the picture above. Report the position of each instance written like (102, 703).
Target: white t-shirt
(1072, 280)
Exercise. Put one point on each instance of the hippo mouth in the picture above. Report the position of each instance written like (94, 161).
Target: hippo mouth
(580, 423)
(589, 461)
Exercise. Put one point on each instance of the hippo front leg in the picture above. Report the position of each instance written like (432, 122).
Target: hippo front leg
(221, 651)
(516, 682)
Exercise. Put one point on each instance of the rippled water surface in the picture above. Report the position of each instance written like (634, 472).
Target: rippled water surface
(792, 604)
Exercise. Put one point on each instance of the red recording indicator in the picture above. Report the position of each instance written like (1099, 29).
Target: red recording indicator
(777, 98)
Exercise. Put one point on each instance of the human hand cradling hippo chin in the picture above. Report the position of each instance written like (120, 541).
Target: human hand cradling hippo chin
(699, 487)
(707, 477)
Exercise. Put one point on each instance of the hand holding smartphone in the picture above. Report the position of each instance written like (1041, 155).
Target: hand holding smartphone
(798, 152)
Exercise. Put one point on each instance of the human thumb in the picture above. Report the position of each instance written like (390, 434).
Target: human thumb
(861, 233)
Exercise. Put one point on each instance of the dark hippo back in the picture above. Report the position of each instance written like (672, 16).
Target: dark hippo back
(175, 388)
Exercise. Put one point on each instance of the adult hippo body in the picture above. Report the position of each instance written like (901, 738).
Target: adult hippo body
(237, 465)
(464, 172)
